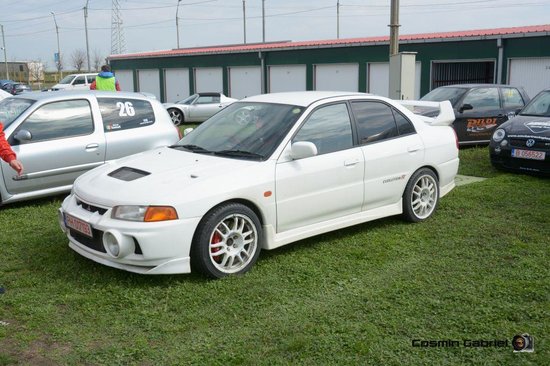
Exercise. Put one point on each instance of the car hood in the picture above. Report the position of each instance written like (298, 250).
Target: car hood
(163, 175)
(528, 125)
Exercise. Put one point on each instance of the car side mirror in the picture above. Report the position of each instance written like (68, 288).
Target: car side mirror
(517, 111)
(302, 150)
(187, 131)
(23, 135)
(466, 107)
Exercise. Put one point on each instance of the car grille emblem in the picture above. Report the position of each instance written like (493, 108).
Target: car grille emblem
(530, 143)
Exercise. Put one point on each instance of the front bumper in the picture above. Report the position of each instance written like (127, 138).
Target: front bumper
(501, 157)
(151, 247)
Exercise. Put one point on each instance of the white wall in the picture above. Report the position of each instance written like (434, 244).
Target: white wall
(176, 83)
(378, 79)
(344, 77)
(208, 79)
(148, 81)
(287, 78)
(245, 81)
(125, 79)
(531, 73)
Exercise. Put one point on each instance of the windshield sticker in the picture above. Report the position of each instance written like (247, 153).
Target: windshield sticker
(113, 126)
(146, 121)
(538, 126)
(481, 124)
(296, 110)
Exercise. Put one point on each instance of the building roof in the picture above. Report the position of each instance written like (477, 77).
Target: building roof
(286, 45)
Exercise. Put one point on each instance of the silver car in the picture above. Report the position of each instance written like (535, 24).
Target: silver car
(60, 135)
(197, 107)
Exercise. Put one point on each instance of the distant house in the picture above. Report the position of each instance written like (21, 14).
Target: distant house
(23, 71)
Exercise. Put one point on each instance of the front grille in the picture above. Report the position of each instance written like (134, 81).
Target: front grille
(91, 208)
(95, 243)
(538, 144)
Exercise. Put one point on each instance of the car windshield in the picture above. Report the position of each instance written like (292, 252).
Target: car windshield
(446, 93)
(67, 79)
(539, 106)
(187, 100)
(11, 108)
(243, 130)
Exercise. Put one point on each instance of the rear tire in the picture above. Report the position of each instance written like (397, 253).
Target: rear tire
(421, 196)
(176, 115)
(227, 242)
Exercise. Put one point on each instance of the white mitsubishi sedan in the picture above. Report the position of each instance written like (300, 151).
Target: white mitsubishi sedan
(264, 172)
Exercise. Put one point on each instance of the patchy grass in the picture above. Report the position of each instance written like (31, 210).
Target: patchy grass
(476, 270)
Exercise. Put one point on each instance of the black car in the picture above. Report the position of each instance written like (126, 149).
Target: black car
(16, 88)
(479, 108)
(523, 143)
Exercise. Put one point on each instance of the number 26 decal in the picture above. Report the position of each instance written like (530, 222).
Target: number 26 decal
(125, 109)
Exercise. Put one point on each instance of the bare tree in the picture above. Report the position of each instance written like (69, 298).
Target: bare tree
(36, 72)
(97, 60)
(78, 58)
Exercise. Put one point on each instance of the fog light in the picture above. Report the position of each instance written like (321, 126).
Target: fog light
(117, 245)
(504, 143)
(497, 149)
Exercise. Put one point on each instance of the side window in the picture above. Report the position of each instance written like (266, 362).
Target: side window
(207, 99)
(511, 98)
(123, 113)
(91, 78)
(483, 98)
(329, 128)
(80, 80)
(404, 126)
(375, 121)
(59, 120)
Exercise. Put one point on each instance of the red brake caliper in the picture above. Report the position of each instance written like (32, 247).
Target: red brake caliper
(216, 238)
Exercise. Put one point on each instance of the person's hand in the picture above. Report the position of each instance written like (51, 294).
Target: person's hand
(17, 166)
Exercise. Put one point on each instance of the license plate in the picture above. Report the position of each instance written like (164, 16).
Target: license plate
(528, 154)
(79, 225)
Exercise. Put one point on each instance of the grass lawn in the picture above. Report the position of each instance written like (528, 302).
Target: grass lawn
(477, 270)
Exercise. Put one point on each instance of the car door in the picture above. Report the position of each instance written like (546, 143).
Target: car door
(392, 151)
(328, 185)
(79, 83)
(204, 107)
(478, 114)
(61, 143)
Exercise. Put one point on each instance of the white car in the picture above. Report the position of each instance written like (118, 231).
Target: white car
(295, 165)
(75, 82)
(197, 107)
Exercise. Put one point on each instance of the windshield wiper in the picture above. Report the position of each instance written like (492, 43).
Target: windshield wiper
(192, 148)
(239, 153)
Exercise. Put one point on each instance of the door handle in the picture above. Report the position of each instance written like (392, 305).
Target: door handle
(351, 162)
(412, 149)
(92, 147)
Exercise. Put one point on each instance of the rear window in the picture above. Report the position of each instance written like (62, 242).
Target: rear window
(124, 114)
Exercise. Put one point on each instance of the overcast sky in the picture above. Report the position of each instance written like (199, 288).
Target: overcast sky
(149, 25)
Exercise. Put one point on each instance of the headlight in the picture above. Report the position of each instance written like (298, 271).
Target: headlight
(144, 213)
(499, 135)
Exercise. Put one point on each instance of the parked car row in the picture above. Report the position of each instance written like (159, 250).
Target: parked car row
(13, 87)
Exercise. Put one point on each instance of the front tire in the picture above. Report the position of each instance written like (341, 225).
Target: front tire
(421, 196)
(227, 242)
(176, 116)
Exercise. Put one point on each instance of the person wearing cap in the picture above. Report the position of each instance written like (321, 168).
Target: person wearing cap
(7, 154)
(105, 80)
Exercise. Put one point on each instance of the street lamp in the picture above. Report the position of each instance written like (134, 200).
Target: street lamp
(86, 28)
(58, 49)
(177, 23)
(5, 56)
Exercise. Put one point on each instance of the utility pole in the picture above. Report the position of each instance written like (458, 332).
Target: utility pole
(263, 21)
(58, 48)
(177, 24)
(244, 20)
(394, 27)
(86, 28)
(5, 55)
(338, 19)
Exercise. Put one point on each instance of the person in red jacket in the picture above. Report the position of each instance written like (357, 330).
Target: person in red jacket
(7, 154)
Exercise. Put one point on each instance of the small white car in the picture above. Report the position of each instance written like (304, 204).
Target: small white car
(75, 82)
(294, 165)
(197, 107)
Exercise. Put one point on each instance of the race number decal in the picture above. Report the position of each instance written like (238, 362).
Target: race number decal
(125, 109)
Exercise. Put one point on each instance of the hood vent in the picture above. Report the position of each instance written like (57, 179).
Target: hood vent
(128, 174)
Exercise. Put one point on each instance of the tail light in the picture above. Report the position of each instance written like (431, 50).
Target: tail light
(456, 139)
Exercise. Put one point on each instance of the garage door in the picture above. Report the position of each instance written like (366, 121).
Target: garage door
(208, 79)
(287, 78)
(148, 81)
(245, 81)
(378, 79)
(343, 77)
(176, 82)
(531, 73)
(125, 79)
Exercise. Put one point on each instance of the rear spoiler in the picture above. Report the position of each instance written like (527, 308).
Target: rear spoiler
(445, 117)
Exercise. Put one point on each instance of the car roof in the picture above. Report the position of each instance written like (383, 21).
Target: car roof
(57, 95)
(300, 98)
(478, 85)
